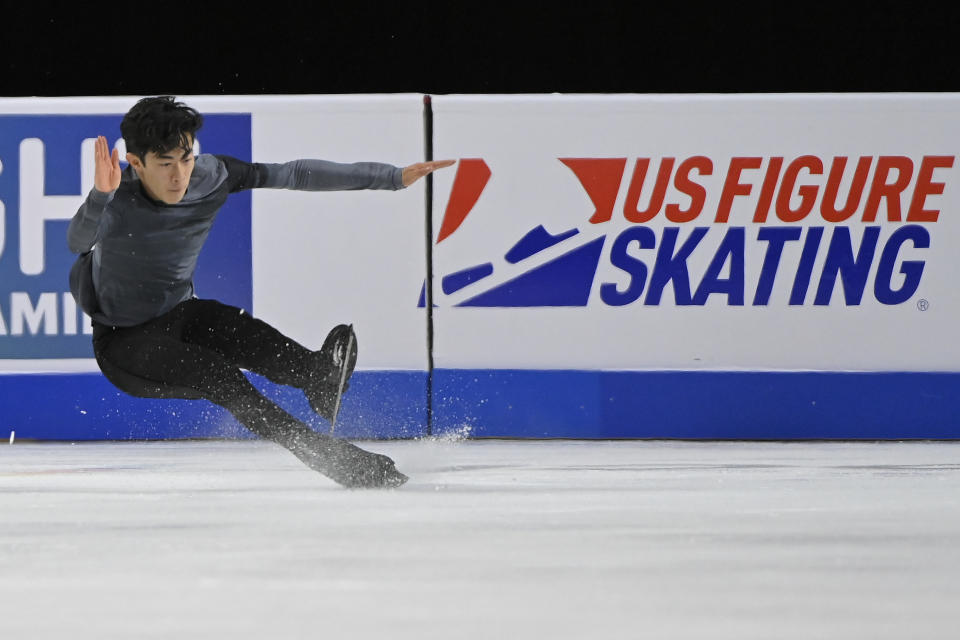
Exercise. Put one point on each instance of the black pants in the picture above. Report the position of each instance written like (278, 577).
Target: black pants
(197, 350)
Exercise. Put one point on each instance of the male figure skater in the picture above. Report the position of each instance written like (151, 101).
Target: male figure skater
(139, 234)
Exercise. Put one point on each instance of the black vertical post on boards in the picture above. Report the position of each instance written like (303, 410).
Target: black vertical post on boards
(428, 283)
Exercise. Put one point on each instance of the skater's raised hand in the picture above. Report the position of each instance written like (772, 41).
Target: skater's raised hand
(106, 175)
(416, 171)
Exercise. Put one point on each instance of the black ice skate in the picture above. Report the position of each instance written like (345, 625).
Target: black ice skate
(346, 463)
(332, 367)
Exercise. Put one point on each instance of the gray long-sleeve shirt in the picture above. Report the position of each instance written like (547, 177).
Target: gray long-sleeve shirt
(145, 251)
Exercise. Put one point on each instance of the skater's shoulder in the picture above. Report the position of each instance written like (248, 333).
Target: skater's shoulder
(210, 164)
(209, 175)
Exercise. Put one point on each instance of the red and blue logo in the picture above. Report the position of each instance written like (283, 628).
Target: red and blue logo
(818, 231)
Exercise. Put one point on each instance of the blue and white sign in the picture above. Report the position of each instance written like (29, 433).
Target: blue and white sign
(47, 170)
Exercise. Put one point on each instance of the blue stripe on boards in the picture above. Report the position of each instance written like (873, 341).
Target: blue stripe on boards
(85, 406)
(697, 404)
(756, 405)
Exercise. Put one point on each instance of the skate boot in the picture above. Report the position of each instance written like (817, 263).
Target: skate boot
(345, 463)
(330, 364)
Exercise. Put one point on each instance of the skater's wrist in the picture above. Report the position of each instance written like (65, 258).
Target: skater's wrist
(101, 197)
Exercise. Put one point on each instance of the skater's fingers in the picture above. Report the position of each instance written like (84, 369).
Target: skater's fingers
(429, 167)
(102, 151)
(416, 171)
(106, 174)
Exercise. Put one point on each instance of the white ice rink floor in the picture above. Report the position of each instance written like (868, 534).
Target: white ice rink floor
(489, 539)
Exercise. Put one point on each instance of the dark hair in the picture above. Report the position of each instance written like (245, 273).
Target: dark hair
(159, 124)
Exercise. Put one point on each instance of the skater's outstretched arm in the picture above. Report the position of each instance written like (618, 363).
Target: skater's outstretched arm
(323, 175)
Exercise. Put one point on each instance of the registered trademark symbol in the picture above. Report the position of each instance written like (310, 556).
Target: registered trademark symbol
(922, 304)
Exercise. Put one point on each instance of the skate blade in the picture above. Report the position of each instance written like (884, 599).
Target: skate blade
(394, 479)
(391, 479)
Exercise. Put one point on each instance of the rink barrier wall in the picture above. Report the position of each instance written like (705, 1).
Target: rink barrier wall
(538, 313)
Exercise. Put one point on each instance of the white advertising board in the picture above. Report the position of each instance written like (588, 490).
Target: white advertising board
(780, 232)
(320, 259)
(317, 258)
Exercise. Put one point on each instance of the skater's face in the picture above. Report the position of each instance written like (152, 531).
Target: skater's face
(164, 176)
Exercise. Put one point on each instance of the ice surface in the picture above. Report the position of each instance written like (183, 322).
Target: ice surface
(489, 539)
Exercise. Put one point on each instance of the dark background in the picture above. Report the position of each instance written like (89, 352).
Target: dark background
(62, 49)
